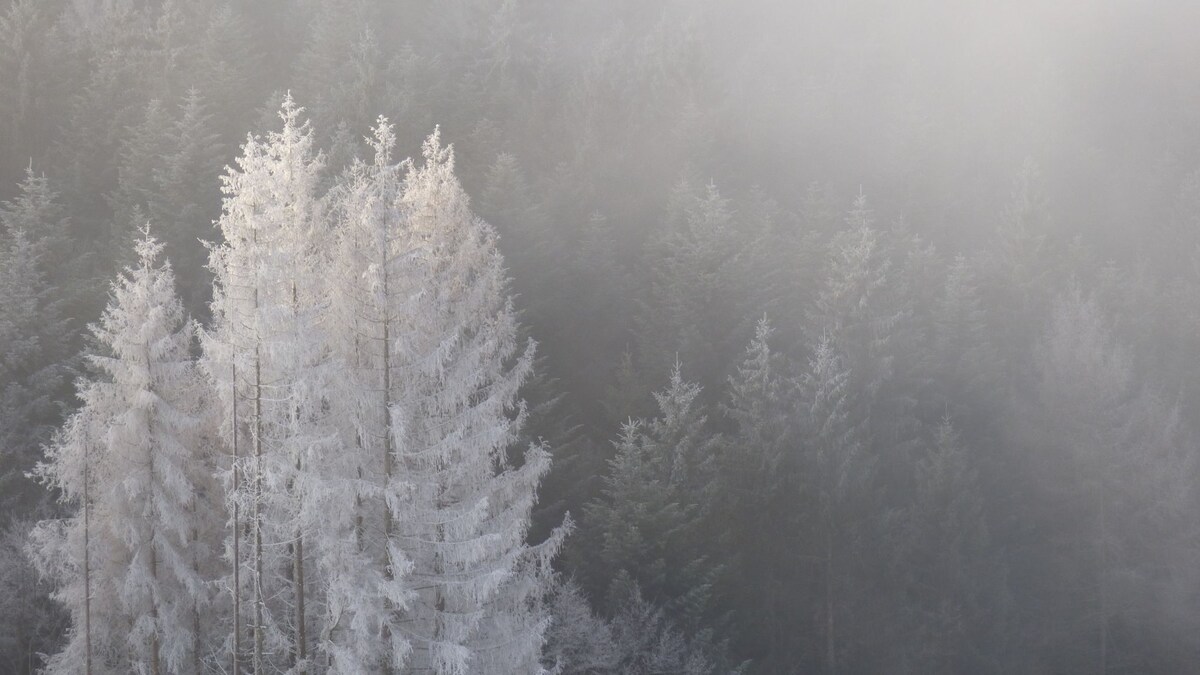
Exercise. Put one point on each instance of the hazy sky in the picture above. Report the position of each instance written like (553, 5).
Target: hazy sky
(951, 97)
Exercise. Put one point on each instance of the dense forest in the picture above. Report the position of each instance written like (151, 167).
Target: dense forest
(599, 337)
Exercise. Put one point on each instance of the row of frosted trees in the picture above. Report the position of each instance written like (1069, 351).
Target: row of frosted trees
(326, 484)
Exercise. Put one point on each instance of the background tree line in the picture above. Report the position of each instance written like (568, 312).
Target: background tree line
(961, 438)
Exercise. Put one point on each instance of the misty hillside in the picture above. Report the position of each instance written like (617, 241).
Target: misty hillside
(599, 337)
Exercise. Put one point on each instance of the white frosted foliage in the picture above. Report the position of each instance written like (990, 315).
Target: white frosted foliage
(268, 359)
(375, 304)
(133, 460)
(477, 585)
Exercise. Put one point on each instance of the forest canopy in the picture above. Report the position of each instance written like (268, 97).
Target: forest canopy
(492, 336)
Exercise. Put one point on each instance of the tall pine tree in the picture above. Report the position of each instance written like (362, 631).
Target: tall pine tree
(35, 337)
(376, 305)
(134, 459)
(268, 358)
(477, 584)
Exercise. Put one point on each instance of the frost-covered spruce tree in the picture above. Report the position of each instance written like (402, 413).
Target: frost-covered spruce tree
(34, 338)
(268, 360)
(941, 546)
(836, 470)
(856, 307)
(578, 640)
(694, 285)
(650, 520)
(130, 565)
(755, 401)
(374, 305)
(64, 551)
(478, 586)
(1118, 462)
(758, 482)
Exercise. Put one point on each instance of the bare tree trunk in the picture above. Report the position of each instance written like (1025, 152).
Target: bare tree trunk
(87, 569)
(439, 569)
(155, 666)
(387, 416)
(258, 547)
(830, 640)
(1103, 579)
(301, 638)
(387, 447)
(237, 538)
(358, 516)
(298, 587)
(195, 606)
(155, 662)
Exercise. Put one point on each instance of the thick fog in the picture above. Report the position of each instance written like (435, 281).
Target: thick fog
(599, 336)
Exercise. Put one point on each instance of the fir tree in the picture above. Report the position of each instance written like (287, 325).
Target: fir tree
(836, 470)
(340, 67)
(478, 586)
(694, 308)
(168, 166)
(35, 359)
(38, 213)
(142, 163)
(1020, 273)
(376, 304)
(649, 521)
(952, 582)
(508, 203)
(578, 640)
(854, 306)
(759, 481)
(134, 460)
(32, 624)
(964, 358)
(269, 361)
(647, 641)
(1114, 447)
(185, 201)
(34, 78)
(224, 68)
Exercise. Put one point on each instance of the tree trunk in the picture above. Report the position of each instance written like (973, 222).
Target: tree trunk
(387, 446)
(237, 538)
(830, 641)
(298, 586)
(258, 547)
(387, 429)
(155, 666)
(301, 639)
(155, 662)
(87, 570)
(439, 570)
(358, 516)
(195, 606)
(1103, 578)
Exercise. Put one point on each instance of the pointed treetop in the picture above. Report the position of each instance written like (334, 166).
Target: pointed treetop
(295, 129)
(758, 352)
(947, 436)
(289, 112)
(676, 400)
(148, 248)
(435, 153)
(860, 215)
(763, 330)
(754, 370)
(382, 141)
(826, 360)
(35, 210)
(753, 385)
